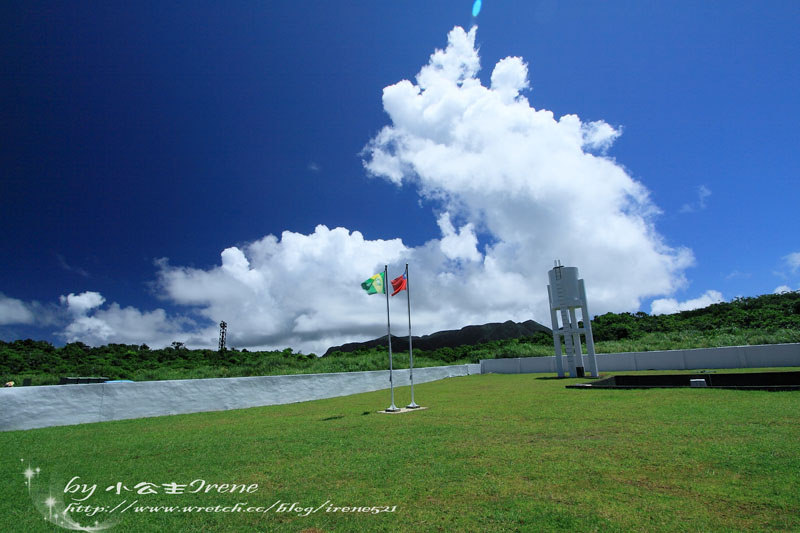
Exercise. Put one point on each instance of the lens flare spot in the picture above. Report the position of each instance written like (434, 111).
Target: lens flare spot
(476, 8)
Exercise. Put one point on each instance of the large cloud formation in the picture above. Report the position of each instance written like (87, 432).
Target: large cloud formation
(301, 291)
(498, 171)
(513, 189)
(537, 188)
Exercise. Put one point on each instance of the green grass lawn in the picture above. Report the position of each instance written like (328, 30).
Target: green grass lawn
(491, 453)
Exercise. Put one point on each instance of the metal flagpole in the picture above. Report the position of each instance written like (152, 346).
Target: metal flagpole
(412, 405)
(389, 336)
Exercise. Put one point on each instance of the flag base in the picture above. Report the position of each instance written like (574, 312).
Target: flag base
(392, 408)
(412, 405)
(403, 410)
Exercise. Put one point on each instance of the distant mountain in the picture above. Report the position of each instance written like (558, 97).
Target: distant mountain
(469, 335)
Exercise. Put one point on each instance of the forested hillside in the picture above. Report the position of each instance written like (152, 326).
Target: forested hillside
(767, 319)
(767, 314)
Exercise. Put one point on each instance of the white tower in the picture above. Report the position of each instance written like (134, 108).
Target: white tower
(568, 293)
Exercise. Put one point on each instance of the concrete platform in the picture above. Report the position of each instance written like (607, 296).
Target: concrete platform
(402, 410)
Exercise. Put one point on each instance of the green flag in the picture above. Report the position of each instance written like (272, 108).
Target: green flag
(375, 285)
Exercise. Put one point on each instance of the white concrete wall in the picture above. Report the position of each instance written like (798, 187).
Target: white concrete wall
(766, 355)
(61, 405)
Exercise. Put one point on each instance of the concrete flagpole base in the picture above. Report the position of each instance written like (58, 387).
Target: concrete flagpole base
(403, 410)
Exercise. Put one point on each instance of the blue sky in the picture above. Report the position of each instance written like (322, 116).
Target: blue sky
(141, 140)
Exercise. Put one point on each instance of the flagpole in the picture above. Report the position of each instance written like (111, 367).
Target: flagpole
(389, 336)
(412, 405)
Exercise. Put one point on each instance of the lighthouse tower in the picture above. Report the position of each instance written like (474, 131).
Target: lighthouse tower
(568, 293)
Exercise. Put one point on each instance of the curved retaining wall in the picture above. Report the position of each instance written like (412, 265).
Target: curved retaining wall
(760, 356)
(62, 405)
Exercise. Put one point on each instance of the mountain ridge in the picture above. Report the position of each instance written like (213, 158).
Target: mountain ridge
(468, 335)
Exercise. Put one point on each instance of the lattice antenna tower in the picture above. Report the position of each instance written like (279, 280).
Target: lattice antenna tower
(223, 327)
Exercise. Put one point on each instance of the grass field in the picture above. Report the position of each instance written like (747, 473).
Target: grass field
(491, 453)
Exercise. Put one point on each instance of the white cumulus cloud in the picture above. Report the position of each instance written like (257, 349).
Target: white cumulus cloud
(80, 304)
(525, 180)
(665, 306)
(458, 245)
(13, 311)
(300, 290)
(599, 136)
(126, 325)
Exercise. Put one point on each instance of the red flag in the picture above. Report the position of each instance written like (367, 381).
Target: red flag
(399, 284)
